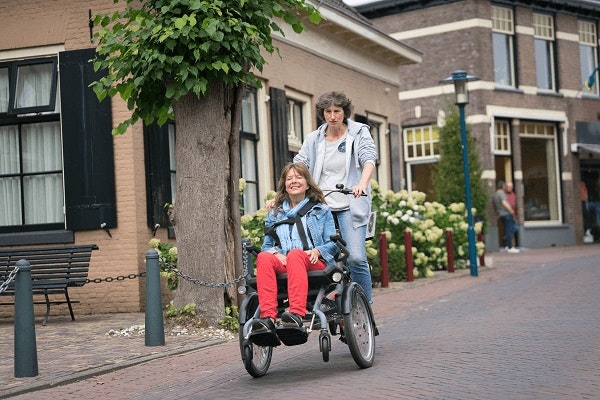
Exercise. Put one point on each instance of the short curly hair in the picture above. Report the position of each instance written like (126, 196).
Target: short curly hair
(337, 99)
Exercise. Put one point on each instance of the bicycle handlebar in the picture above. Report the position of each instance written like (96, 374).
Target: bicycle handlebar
(339, 188)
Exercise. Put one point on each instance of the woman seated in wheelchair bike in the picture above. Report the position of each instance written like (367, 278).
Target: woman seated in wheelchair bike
(298, 232)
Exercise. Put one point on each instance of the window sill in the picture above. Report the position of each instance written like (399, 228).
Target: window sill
(590, 96)
(508, 89)
(549, 93)
(40, 237)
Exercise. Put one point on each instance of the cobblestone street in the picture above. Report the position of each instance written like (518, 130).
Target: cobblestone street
(526, 328)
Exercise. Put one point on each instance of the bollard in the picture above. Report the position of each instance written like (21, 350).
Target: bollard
(26, 363)
(383, 259)
(482, 256)
(450, 250)
(155, 328)
(408, 255)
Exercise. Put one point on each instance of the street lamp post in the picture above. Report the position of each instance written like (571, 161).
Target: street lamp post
(460, 79)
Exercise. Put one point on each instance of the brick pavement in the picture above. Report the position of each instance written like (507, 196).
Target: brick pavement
(70, 351)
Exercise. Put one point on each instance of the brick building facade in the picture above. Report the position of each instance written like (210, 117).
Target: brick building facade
(533, 120)
(111, 190)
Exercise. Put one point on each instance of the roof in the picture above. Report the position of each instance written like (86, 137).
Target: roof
(341, 19)
(351, 12)
(391, 7)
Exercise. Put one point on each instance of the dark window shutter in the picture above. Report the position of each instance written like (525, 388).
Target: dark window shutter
(395, 175)
(361, 118)
(87, 145)
(279, 130)
(158, 174)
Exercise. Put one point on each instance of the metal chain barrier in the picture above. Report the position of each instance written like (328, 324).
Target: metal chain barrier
(117, 278)
(245, 262)
(171, 267)
(8, 280)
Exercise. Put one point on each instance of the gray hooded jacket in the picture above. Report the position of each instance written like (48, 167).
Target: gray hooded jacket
(362, 151)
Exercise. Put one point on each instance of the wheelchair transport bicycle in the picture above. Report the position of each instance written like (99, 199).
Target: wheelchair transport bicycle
(335, 304)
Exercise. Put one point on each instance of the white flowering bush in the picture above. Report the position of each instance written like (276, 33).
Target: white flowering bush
(398, 212)
(167, 254)
(427, 222)
(253, 225)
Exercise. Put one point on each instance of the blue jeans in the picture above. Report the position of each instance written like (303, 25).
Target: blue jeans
(355, 240)
(509, 229)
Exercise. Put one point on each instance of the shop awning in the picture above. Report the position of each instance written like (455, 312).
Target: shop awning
(586, 150)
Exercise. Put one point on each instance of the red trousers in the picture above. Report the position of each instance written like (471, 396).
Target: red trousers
(297, 265)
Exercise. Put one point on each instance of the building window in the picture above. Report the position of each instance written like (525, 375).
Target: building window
(31, 176)
(248, 153)
(540, 171)
(56, 154)
(543, 33)
(375, 128)
(503, 46)
(172, 163)
(294, 113)
(501, 140)
(421, 153)
(31, 186)
(588, 56)
(421, 143)
(298, 119)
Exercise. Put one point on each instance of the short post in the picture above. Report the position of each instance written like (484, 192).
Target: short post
(408, 255)
(155, 328)
(26, 363)
(482, 256)
(383, 259)
(450, 249)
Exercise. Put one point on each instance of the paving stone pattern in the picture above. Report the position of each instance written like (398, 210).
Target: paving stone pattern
(526, 328)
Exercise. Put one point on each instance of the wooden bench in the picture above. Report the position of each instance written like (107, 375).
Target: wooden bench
(53, 271)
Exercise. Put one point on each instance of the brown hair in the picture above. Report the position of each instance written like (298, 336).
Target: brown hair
(314, 193)
(336, 99)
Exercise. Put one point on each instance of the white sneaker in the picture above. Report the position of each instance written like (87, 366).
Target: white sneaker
(512, 250)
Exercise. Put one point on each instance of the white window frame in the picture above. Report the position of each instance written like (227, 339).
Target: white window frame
(540, 131)
(428, 151)
(503, 24)
(295, 138)
(588, 39)
(427, 156)
(251, 203)
(501, 135)
(543, 34)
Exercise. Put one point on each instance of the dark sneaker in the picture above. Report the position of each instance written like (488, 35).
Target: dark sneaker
(291, 320)
(262, 333)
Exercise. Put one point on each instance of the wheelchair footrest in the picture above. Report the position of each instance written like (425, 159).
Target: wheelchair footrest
(292, 336)
(264, 338)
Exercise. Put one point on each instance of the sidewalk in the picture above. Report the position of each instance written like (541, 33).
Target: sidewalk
(68, 350)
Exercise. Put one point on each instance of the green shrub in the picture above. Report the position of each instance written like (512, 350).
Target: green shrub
(396, 213)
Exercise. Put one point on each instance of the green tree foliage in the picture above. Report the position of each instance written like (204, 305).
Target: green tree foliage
(190, 60)
(165, 49)
(449, 179)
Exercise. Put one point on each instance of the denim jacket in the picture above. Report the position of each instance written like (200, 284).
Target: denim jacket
(318, 221)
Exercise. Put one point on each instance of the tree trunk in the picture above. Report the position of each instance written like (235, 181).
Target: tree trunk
(207, 220)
